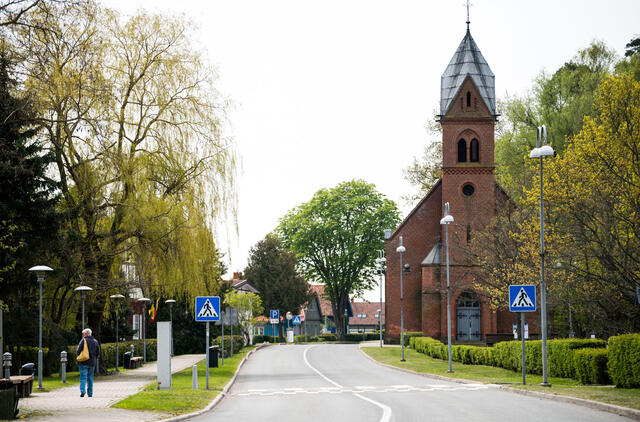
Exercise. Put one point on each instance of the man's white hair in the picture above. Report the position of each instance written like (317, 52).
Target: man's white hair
(87, 331)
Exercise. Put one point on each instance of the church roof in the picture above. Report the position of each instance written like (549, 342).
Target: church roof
(435, 256)
(467, 62)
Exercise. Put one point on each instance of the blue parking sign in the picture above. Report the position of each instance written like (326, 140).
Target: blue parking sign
(274, 316)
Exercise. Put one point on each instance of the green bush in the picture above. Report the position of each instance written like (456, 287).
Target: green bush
(409, 335)
(624, 360)
(590, 366)
(238, 343)
(327, 337)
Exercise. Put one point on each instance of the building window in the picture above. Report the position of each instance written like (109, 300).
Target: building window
(462, 151)
(474, 153)
(376, 315)
(468, 99)
(468, 189)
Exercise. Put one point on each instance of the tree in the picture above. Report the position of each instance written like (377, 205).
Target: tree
(632, 47)
(248, 305)
(272, 270)
(424, 172)
(336, 237)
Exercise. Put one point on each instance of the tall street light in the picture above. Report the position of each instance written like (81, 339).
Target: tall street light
(381, 263)
(446, 220)
(144, 301)
(83, 290)
(117, 297)
(170, 302)
(401, 249)
(40, 272)
(540, 151)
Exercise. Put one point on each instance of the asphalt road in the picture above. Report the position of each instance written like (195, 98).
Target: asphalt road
(335, 382)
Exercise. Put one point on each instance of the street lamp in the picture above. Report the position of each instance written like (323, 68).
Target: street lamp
(40, 271)
(381, 263)
(170, 302)
(117, 298)
(401, 249)
(144, 301)
(446, 220)
(540, 151)
(83, 290)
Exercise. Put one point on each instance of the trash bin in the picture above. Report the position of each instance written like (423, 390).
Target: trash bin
(8, 400)
(213, 357)
(28, 369)
(127, 360)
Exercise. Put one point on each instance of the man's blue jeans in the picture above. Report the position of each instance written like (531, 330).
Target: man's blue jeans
(86, 377)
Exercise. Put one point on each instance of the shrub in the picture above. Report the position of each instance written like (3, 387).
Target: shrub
(409, 335)
(327, 337)
(624, 360)
(590, 366)
(238, 343)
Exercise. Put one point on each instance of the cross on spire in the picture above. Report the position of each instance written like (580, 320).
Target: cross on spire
(468, 21)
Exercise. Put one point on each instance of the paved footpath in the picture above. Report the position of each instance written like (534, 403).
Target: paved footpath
(65, 404)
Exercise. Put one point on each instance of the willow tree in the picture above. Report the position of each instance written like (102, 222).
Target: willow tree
(133, 117)
(336, 237)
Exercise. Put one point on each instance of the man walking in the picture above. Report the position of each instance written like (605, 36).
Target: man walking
(87, 365)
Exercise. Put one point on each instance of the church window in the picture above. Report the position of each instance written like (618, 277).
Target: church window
(468, 189)
(468, 99)
(462, 151)
(474, 153)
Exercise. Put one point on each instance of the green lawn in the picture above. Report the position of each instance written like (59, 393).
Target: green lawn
(53, 382)
(181, 398)
(627, 397)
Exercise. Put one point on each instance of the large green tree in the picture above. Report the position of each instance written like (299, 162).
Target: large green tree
(272, 270)
(336, 236)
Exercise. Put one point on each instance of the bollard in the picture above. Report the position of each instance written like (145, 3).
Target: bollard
(63, 366)
(194, 377)
(6, 362)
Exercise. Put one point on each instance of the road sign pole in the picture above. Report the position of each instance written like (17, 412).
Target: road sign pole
(207, 387)
(222, 352)
(524, 366)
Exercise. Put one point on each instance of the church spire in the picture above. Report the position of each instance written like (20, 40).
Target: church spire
(468, 21)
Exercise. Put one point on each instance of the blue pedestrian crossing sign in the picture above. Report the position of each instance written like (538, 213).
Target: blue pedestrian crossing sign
(274, 316)
(207, 308)
(522, 298)
(296, 320)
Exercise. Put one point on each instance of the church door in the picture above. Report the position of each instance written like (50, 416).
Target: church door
(468, 313)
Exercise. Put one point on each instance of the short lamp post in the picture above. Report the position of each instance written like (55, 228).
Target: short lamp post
(170, 302)
(83, 290)
(40, 271)
(144, 301)
(445, 221)
(117, 297)
(541, 151)
(401, 249)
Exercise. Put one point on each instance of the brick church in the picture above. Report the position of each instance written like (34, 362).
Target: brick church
(468, 116)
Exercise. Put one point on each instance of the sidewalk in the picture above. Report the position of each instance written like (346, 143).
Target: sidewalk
(66, 404)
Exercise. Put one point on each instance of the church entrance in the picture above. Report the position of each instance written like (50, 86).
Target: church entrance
(468, 313)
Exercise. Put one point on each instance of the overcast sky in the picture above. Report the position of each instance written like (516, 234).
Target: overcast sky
(331, 91)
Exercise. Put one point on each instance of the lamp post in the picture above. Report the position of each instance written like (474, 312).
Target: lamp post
(144, 301)
(540, 151)
(446, 220)
(401, 249)
(170, 302)
(117, 298)
(40, 271)
(83, 290)
(381, 264)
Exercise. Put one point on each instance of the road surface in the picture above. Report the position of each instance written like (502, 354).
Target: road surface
(335, 382)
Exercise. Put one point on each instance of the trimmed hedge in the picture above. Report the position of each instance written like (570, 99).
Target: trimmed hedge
(624, 360)
(590, 366)
(238, 343)
(408, 335)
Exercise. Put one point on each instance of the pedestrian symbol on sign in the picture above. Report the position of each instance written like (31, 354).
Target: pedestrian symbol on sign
(207, 310)
(522, 300)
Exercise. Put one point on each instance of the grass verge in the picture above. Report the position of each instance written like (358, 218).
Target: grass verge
(181, 398)
(53, 382)
(418, 362)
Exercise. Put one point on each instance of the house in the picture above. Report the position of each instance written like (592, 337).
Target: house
(326, 324)
(366, 317)
(468, 117)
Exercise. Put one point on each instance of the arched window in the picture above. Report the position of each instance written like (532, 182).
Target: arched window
(468, 99)
(462, 151)
(474, 155)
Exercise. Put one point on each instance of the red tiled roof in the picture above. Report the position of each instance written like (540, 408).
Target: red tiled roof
(368, 309)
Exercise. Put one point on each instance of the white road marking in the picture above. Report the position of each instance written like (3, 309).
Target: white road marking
(386, 410)
(378, 389)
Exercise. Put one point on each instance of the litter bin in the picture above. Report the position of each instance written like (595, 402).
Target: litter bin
(213, 357)
(127, 360)
(28, 369)
(8, 400)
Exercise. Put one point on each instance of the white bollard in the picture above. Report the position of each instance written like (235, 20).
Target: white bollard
(194, 377)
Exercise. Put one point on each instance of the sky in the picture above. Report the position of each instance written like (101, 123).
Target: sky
(331, 91)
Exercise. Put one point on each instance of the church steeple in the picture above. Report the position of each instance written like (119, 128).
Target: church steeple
(467, 62)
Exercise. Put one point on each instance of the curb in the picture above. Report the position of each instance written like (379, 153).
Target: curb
(220, 396)
(611, 408)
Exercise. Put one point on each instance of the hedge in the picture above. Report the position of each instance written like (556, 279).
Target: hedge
(238, 343)
(624, 360)
(590, 366)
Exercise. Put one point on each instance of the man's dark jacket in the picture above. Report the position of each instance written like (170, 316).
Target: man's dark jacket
(94, 351)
